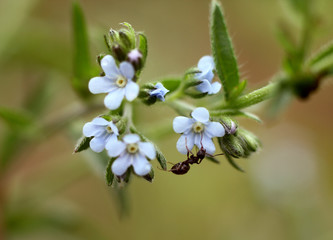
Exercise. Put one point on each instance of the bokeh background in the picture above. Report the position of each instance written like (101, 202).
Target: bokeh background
(286, 192)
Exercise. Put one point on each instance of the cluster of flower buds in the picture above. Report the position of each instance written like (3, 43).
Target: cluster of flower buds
(239, 144)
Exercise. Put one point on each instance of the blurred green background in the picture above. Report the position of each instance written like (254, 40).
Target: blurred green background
(286, 193)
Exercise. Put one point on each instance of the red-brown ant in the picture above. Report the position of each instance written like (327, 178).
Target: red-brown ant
(183, 167)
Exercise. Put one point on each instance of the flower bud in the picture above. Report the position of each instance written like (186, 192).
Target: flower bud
(229, 125)
(252, 142)
(233, 146)
(240, 144)
(119, 53)
(135, 58)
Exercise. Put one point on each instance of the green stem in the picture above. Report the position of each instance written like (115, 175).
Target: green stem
(250, 99)
(128, 114)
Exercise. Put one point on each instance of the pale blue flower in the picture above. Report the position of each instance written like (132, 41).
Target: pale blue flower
(197, 130)
(206, 65)
(131, 152)
(159, 91)
(117, 82)
(103, 131)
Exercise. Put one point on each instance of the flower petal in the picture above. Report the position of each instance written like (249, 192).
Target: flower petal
(110, 140)
(185, 140)
(90, 129)
(131, 138)
(205, 86)
(207, 143)
(141, 165)
(147, 148)
(216, 87)
(109, 66)
(114, 128)
(214, 129)
(206, 62)
(101, 85)
(100, 121)
(200, 114)
(198, 140)
(131, 90)
(127, 70)
(113, 99)
(97, 144)
(182, 124)
(121, 164)
(115, 148)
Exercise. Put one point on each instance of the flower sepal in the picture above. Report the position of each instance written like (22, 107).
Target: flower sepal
(150, 176)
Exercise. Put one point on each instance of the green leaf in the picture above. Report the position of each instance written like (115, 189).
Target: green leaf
(82, 67)
(38, 99)
(322, 55)
(11, 144)
(82, 144)
(212, 159)
(143, 47)
(224, 57)
(16, 119)
(233, 163)
(109, 176)
(171, 84)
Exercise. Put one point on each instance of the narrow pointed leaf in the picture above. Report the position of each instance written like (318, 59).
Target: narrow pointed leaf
(143, 47)
(82, 144)
(109, 176)
(38, 99)
(233, 163)
(16, 119)
(82, 67)
(323, 57)
(222, 49)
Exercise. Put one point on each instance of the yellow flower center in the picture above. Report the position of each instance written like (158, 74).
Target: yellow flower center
(121, 81)
(109, 129)
(198, 127)
(132, 148)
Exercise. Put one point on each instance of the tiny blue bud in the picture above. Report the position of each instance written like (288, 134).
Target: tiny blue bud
(159, 91)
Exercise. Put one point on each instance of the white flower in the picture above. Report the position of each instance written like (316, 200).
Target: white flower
(197, 131)
(206, 65)
(116, 82)
(104, 133)
(159, 91)
(131, 152)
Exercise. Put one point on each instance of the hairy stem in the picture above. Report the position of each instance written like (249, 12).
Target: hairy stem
(250, 99)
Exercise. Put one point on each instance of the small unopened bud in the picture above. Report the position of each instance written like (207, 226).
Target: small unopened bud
(252, 142)
(233, 146)
(135, 58)
(229, 125)
(240, 144)
(119, 53)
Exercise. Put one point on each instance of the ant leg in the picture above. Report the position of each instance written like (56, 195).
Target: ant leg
(188, 150)
(214, 155)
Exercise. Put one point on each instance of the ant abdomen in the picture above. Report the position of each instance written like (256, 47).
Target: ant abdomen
(180, 168)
